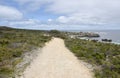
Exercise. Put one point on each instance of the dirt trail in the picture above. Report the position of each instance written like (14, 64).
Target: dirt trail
(56, 61)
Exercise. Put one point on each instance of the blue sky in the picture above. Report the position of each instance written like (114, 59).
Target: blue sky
(60, 14)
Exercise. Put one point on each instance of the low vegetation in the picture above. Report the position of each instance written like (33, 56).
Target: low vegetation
(56, 33)
(14, 43)
(104, 57)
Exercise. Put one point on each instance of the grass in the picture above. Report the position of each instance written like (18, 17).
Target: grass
(104, 56)
(14, 43)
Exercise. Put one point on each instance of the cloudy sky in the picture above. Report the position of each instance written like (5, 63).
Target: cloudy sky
(60, 14)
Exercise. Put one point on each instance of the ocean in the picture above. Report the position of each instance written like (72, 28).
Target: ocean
(104, 34)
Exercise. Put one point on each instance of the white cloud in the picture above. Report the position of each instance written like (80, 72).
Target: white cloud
(37, 24)
(72, 14)
(9, 13)
(80, 19)
(87, 11)
(32, 5)
(50, 20)
(63, 19)
(24, 22)
(79, 11)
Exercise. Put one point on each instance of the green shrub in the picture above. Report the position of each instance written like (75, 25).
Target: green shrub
(104, 55)
(15, 42)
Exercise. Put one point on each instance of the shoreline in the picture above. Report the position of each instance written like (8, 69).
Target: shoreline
(104, 34)
(86, 38)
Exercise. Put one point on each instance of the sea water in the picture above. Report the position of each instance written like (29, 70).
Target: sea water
(114, 35)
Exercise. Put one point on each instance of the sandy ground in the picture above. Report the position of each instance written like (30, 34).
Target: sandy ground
(56, 61)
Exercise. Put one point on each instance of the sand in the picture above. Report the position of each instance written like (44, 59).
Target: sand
(56, 61)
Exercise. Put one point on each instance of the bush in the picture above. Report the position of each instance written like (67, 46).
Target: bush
(103, 55)
(15, 42)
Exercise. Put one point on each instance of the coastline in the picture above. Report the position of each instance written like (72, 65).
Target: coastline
(104, 34)
(86, 38)
(116, 43)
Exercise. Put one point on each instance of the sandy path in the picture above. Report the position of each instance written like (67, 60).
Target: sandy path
(56, 61)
